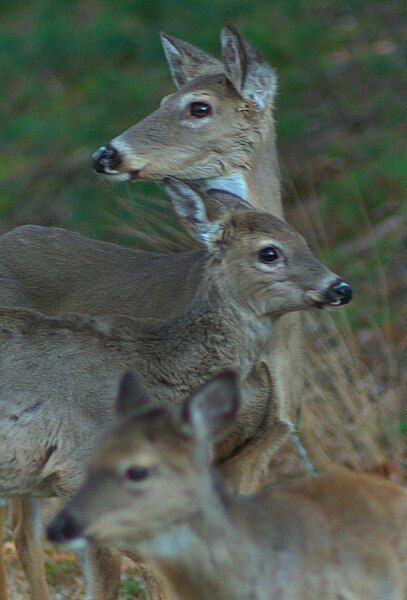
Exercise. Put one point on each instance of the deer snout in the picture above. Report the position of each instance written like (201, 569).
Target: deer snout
(338, 293)
(63, 528)
(106, 160)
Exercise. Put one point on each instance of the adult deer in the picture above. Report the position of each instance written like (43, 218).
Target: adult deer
(151, 488)
(217, 131)
(257, 268)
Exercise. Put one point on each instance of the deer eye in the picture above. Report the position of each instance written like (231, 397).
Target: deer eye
(268, 254)
(200, 109)
(136, 473)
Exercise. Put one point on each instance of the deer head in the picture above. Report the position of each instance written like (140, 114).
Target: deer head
(151, 470)
(208, 127)
(259, 261)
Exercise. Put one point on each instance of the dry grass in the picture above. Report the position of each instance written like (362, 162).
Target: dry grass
(352, 413)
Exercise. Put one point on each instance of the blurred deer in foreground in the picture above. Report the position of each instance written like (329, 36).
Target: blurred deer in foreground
(257, 268)
(151, 488)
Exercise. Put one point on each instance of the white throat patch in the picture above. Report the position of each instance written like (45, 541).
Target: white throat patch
(231, 184)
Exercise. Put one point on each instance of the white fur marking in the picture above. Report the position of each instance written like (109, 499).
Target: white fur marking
(232, 184)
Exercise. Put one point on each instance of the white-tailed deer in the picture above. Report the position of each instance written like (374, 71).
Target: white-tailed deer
(151, 488)
(217, 131)
(58, 374)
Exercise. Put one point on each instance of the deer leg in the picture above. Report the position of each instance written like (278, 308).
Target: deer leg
(3, 577)
(101, 573)
(26, 525)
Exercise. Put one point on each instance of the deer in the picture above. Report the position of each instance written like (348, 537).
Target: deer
(151, 488)
(257, 268)
(216, 132)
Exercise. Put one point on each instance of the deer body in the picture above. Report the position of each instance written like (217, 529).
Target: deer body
(226, 324)
(151, 488)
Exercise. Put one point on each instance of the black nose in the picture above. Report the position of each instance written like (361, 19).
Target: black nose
(62, 528)
(104, 158)
(339, 293)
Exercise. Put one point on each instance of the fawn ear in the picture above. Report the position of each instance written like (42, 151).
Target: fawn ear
(186, 61)
(190, 208)
(210, 410)
(246, 69)
(132, 397)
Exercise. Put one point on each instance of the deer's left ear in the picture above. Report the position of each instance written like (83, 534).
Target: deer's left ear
(211, 410)
(246, 69)
(132, 397)
(190, 208)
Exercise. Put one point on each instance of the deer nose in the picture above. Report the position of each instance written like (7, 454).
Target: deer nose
(63, 528)
(105, 159)
(338, 293)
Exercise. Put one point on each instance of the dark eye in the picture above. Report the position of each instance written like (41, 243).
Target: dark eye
(136, 473)
(268, 254)
(200, 109)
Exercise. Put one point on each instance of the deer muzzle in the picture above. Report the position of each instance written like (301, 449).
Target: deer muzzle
(106, 159)
(63, 528)
(338, 293)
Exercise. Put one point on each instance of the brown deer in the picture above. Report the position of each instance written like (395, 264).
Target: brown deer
(217, 131)
(257, 268)
(151, 488)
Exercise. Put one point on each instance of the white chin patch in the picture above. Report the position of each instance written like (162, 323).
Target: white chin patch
(335, 303)
(117, 177)
(77, 544)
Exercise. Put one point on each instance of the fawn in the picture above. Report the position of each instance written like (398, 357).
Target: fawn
(151, 488)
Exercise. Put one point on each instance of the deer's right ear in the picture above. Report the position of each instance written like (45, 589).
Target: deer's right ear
(190, 209)
(246, 69)
(132, 397)
(211, 410)
(186, 61)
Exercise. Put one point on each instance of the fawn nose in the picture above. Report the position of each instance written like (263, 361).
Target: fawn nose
(106, 159)
(62, 529)
(338, 293)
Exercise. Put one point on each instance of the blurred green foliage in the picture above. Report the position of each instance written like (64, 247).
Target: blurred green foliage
(75, 74)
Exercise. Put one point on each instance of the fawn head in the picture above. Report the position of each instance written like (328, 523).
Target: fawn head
(208, 127)
(149, 472)
(260, 262)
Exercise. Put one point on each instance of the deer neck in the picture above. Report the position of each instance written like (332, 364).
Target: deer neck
(257, 181)
(214, 322)
(204, 557)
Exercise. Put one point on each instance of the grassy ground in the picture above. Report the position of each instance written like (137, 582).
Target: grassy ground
(75, 74)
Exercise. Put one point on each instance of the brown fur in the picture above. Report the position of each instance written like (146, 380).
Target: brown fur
(225, 324)
(340, 536)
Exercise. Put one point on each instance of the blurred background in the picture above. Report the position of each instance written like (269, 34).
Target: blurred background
(75, 74)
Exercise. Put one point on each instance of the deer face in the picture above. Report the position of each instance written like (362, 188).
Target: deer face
(139, 482)
(269, 268)
(146, 475)
(259, 261)
(208, 127)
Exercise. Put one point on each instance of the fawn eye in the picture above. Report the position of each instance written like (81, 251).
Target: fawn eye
(136, 473)
(268, 254)
(200, 109)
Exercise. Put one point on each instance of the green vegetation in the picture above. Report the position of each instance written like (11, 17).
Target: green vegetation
(75, 74)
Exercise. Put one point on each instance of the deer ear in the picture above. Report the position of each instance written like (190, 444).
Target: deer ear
(211, 410)
(186, 61)
(132, 397)
(190, 208)
(246, 69)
